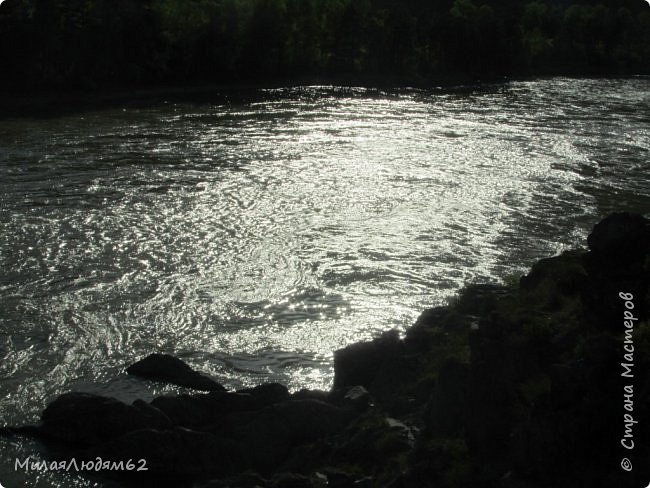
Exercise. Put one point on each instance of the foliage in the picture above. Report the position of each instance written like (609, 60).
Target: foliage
(104, 43)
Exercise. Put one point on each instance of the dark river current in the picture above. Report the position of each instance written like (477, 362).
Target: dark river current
(255, 234)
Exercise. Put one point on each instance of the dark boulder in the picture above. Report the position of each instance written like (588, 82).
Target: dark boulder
(358, 363)
(619, 262)
(163, 367)
(620, 234)
(87, 419)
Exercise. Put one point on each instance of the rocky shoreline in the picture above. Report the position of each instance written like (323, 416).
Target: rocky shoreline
(507, 386)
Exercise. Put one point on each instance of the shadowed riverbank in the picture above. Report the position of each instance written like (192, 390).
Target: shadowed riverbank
(540, 383)
(88, 45)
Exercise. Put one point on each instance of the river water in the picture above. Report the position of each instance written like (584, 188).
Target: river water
(254, 233)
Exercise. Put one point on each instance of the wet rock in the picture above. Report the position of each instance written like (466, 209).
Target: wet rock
(86, 419)
(163, 367)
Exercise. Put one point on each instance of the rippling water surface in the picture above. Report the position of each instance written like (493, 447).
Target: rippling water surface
(253, 235)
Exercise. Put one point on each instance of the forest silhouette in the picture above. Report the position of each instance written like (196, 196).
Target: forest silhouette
(99, 44)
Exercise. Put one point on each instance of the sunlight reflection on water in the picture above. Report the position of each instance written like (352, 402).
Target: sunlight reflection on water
(254, 238)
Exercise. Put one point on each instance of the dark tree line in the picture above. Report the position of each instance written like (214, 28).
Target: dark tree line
(106, 43)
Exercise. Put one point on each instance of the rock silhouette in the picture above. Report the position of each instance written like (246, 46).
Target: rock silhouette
(163, 367)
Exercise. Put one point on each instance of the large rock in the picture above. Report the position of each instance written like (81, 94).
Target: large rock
(619, 261)
(163, 367)
(620, 234)
(87, 419)
(358, 363)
